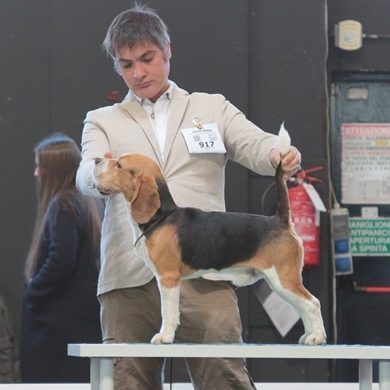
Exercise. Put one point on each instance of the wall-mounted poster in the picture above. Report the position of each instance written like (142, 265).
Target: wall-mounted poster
(365, 163)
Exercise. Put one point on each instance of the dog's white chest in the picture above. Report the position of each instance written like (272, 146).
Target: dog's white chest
(141, 249)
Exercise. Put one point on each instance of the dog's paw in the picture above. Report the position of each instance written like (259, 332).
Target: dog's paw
(162, 338)
(313, 339)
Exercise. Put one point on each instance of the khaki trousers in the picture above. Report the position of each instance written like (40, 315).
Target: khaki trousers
(208, 314)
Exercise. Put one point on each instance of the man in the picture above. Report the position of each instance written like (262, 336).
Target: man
(191, 136)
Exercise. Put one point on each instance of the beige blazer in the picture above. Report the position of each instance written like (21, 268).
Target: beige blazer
(195, 180)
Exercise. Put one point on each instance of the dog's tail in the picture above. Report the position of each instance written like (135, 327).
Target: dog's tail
(283, 210)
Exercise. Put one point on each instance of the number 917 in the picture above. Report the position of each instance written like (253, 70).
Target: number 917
(206, 144)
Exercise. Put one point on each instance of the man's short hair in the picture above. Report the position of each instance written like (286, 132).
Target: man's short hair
(137, 25)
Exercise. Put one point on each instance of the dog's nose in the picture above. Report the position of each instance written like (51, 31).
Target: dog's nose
(97, 161)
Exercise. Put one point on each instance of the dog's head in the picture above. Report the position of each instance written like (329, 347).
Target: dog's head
(135, 176)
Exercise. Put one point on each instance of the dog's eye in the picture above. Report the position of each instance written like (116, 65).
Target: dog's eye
(118, 165)
(132, 172)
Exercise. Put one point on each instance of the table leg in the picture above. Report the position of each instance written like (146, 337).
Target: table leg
(106, 374)
(95, 373)
(365, 374)
(384, 375)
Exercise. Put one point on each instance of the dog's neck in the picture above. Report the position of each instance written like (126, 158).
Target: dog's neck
(167, 207)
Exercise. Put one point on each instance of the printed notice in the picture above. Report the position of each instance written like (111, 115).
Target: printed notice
(370, 237)
(281, 313)
(365, 163)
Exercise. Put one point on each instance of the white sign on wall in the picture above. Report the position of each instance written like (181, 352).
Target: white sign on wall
(365, 163)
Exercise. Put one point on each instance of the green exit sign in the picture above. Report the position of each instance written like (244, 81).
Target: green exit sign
(370, 237)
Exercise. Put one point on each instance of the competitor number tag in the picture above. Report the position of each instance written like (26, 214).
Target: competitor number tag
(204, 139)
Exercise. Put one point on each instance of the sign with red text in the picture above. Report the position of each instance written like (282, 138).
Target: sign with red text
(365, 163)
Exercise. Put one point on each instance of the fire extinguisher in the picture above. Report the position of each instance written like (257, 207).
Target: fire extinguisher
(305, 217)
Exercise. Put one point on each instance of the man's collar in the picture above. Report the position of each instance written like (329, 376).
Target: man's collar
(167, 94)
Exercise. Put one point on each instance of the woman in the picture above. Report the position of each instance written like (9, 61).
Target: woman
(59, 301)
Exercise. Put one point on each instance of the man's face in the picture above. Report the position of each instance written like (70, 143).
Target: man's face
(145, 69)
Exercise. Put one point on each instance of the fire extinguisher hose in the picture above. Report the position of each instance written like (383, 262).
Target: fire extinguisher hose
(373, 289)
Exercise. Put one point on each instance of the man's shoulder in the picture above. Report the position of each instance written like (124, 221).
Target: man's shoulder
(204, 96)
(207, 98)
(104, 111)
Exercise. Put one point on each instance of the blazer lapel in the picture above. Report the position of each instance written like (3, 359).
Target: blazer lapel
(133, 108)
(177, 110)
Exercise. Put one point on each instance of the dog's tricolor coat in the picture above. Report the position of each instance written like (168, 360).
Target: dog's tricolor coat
(185, 242)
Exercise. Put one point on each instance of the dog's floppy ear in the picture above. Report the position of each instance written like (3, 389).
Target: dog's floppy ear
(146, 199)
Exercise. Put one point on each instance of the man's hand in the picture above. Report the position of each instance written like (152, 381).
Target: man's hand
(291, 161)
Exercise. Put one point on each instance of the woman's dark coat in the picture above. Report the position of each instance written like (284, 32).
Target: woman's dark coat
(60, 304)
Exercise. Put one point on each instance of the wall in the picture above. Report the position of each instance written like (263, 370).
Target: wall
(374, 56)
(264, 55)
(361, 318)
(288, 83)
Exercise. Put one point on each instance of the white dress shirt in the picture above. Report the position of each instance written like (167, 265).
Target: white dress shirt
(158, 113)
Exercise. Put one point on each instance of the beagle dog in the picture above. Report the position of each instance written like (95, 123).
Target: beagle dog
(185, 242)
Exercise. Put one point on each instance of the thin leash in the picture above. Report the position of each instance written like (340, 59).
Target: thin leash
(153, 225)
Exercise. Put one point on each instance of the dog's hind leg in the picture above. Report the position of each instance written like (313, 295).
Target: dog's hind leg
(307, 306)
(170, 297)
(310, 311)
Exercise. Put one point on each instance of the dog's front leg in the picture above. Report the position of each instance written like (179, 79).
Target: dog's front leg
(170, 297)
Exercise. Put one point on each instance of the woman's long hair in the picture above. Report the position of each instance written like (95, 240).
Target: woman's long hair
(58, 158)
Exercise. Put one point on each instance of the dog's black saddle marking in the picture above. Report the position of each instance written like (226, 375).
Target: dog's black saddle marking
(218, 240)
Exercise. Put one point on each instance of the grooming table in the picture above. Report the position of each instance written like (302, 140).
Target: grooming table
(102, 357)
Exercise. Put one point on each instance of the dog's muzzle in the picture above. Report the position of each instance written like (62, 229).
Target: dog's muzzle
(100, 168)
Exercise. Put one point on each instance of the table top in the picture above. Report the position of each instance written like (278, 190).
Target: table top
(283, 351)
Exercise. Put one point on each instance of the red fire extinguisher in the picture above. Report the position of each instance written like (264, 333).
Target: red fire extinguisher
(305, 217)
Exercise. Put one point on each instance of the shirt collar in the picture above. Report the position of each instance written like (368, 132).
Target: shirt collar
(167, 95)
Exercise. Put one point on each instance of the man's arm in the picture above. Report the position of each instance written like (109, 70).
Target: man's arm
(254, 148)
(94, 144)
